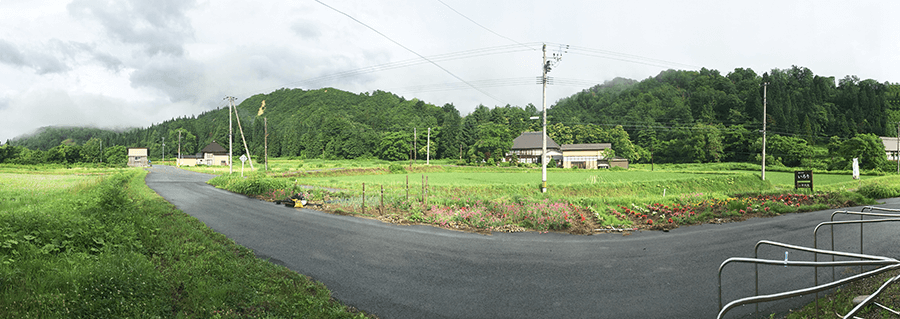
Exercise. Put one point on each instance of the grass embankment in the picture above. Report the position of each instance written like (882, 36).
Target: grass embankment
(94, 246)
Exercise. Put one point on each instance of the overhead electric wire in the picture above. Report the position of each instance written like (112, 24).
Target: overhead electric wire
(421, 88)
(483, 27)
(411, 62)
(410, 50)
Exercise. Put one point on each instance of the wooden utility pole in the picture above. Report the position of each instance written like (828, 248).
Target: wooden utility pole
(230, 136)
(244, 139)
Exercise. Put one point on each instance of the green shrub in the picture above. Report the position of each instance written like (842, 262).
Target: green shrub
(397, 169)
(878, 191)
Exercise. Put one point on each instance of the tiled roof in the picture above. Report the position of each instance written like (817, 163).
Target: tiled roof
(532, 140)
(214, 148)
(586, 147)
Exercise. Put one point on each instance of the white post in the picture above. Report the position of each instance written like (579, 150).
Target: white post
(428, 149)
(230, 164)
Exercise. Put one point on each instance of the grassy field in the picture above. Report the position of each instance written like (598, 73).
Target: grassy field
(100, 244)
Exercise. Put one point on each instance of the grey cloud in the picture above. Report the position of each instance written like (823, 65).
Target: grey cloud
(9, 54)
(41, 62)
(306, 30)
(108, 61)
(159, 27)
(180, 79)
(72, 49)
(45, 63)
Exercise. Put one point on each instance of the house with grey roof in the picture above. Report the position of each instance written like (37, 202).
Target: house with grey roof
(529, 146)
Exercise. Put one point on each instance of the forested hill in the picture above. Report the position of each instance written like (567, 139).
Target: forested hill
(676, 116)
(799, 102)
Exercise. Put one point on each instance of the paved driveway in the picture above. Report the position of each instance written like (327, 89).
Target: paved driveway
(426, 272)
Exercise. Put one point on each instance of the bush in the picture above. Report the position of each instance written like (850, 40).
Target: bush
(396, 169)
(878, 191)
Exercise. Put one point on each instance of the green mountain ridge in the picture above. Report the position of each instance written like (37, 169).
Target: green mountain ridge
(675, 116)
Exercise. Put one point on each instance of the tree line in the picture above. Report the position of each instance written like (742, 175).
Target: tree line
(676, 116)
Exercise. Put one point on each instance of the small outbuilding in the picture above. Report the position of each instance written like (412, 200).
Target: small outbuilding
(891, 147)
(212, 154)
(586, 156)
(138, 157)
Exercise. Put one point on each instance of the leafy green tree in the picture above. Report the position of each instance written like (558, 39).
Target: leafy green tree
(493, 141)
(867, 147)
(116, 155)
(394, 146)
(90, 151)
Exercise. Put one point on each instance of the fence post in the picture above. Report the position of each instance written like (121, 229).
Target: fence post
(364, 199)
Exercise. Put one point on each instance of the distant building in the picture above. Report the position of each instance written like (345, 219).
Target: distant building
(584, 155)
(212, 154)
(137, 157)
(890, 147)
(529, 146)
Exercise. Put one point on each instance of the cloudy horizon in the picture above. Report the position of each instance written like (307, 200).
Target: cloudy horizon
(104, 64)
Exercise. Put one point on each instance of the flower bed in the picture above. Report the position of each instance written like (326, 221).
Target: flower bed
(741, 207)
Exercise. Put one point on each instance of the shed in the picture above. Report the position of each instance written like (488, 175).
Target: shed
(586, 156)
(137, 157)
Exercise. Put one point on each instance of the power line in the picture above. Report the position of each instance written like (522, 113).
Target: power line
(410, 50)
(483, 27)
(411, 62)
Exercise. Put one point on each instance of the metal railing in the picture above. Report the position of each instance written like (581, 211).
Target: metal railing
(885, 263)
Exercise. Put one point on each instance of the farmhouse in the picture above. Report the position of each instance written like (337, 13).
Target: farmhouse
(212, 154)
(137, 157)
(528, 147)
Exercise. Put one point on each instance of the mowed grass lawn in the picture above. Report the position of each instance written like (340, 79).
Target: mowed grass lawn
(786, 178)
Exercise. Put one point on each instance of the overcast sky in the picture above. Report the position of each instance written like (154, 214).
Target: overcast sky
(133, 63)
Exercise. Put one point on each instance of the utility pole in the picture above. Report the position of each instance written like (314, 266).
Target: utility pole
(164, 150)
(415, 145)
(546, 66)
(178, 161)
(101, 150)
(428, 149)
(765, 87)
(897, 153)
(230, 155)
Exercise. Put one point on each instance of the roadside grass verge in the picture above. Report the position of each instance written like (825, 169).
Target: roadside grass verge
(109, 247)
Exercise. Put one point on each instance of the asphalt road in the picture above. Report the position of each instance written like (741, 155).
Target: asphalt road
(425, 272)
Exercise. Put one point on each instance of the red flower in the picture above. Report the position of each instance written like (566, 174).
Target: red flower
(649, 222)
(670, 221)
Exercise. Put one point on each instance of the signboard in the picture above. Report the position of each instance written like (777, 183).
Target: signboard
(243, 158)
(803, 179)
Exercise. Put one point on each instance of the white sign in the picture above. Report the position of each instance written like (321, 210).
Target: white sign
(243, 158)
(855, 168)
